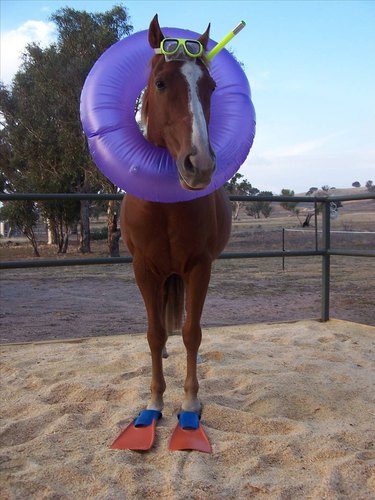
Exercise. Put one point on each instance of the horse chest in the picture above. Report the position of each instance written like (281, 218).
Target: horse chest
(178, 234)
(170, 235)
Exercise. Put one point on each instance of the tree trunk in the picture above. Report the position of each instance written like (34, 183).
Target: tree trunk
(31, 237)
(65, 242)
(236, 209)
(49, 236)
(114, 248)
(84, 240)
(306, 222)
(60, 239)
(52, 233)
(114, 233)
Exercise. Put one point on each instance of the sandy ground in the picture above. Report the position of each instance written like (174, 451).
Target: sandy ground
(288, 407)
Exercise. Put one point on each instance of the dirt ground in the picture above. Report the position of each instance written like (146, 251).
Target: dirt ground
(90, 301)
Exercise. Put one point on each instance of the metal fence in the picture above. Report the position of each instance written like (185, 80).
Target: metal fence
(325, 252)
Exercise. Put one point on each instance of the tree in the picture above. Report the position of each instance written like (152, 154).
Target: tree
(356, 184)
(327, 188)
(291, 206)
(35, 162)
(114, 232)
(24, 215)
(308, 214)
(82, 39)
(60, 217)
(257, 208)
(370, 186)
(240, 186)
(42, 130)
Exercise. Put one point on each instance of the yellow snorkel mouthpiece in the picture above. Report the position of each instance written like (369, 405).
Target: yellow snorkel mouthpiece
(225, 40)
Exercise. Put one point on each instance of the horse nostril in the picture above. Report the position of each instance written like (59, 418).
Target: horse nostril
(188, 164)
(213, 157)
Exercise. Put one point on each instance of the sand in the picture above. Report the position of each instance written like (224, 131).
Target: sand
(288, 407)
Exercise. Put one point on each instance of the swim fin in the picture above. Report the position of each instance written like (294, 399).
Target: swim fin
(140, 434)
(189, 434)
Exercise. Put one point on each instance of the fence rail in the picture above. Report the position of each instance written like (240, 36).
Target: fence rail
(306, 231)
(325, 252)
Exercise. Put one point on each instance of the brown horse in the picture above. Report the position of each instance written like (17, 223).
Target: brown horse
(173, 244)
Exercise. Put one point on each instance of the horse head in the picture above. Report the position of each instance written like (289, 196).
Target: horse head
(176, 106)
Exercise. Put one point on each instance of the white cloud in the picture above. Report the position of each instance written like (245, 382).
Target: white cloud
(13, 43)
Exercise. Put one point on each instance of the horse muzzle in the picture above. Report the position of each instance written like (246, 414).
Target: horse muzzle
(196, 170)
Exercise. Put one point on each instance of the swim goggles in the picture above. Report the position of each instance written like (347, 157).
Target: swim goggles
(170, 47)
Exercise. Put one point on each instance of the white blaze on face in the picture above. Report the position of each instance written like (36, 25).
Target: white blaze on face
(192, 73)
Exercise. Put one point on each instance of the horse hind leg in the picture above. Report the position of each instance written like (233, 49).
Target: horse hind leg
(174, 291)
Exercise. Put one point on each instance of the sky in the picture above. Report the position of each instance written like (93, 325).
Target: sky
(310, 65)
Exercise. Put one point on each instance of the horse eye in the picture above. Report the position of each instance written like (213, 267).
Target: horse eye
(160, 84)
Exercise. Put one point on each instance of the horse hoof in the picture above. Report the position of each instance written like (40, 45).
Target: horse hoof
(195, 407)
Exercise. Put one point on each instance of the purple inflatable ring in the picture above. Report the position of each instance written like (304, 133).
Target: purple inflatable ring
(119, 148)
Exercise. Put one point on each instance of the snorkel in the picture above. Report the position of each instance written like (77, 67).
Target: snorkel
(181, 49)
(225, 40)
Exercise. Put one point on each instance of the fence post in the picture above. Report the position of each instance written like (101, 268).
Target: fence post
(326, 242)
(316, 225)
(283, 248)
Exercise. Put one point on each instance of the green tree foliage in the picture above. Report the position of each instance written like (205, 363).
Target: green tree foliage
(239, 186)
(42, 146)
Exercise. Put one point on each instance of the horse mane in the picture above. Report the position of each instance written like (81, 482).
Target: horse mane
(144, 109)
(145, 100)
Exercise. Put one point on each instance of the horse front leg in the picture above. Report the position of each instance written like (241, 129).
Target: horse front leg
(197, 285)
(151, 287)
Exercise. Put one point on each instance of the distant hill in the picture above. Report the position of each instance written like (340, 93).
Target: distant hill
(355, 205)
(339, 191)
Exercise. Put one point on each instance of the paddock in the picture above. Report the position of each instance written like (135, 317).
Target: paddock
(288, 406)
(289, 409)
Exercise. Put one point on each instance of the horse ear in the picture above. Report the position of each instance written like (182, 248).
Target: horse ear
(155, 35)
(204, 38)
